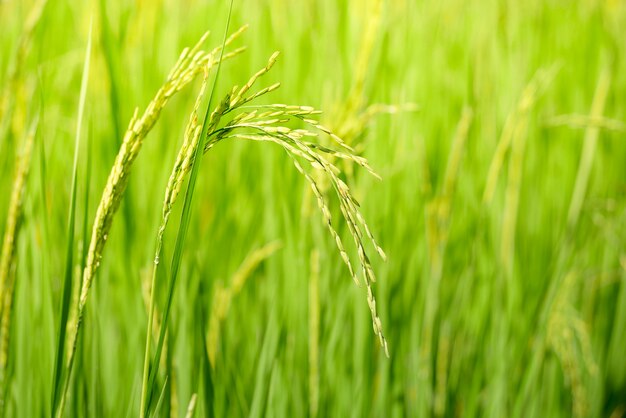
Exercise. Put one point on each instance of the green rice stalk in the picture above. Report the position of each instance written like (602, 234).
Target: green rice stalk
(265, 123)
(512, 194)
(297, 149)
(159, 403)
(356, 97)
(314, 334)
(15, 208)
(441, 377)
(353, 115)
(111, 48)
(69, 254)
(108, 48)
(85, 226)
(514, 126)
(438, 213)
(588, 150)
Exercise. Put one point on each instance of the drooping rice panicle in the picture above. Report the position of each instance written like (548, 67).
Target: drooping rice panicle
(269, 123)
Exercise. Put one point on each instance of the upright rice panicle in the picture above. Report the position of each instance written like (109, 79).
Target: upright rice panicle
(270, 126)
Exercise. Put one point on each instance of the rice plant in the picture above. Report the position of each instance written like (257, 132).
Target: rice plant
(179, 213)
(237, 117)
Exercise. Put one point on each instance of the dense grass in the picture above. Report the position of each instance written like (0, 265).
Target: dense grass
(502, 210)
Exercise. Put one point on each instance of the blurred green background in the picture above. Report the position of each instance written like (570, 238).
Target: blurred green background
(504, 304)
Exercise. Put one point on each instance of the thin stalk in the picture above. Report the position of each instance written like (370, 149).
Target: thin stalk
(588, 151)
(71, 222)
(7, 258)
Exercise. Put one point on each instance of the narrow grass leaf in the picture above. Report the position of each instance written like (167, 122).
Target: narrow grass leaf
(69, 253)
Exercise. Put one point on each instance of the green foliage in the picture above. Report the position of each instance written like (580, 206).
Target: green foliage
(502, 210)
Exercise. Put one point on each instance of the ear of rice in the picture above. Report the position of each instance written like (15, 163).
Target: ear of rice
(515, 122)
(314, 331)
